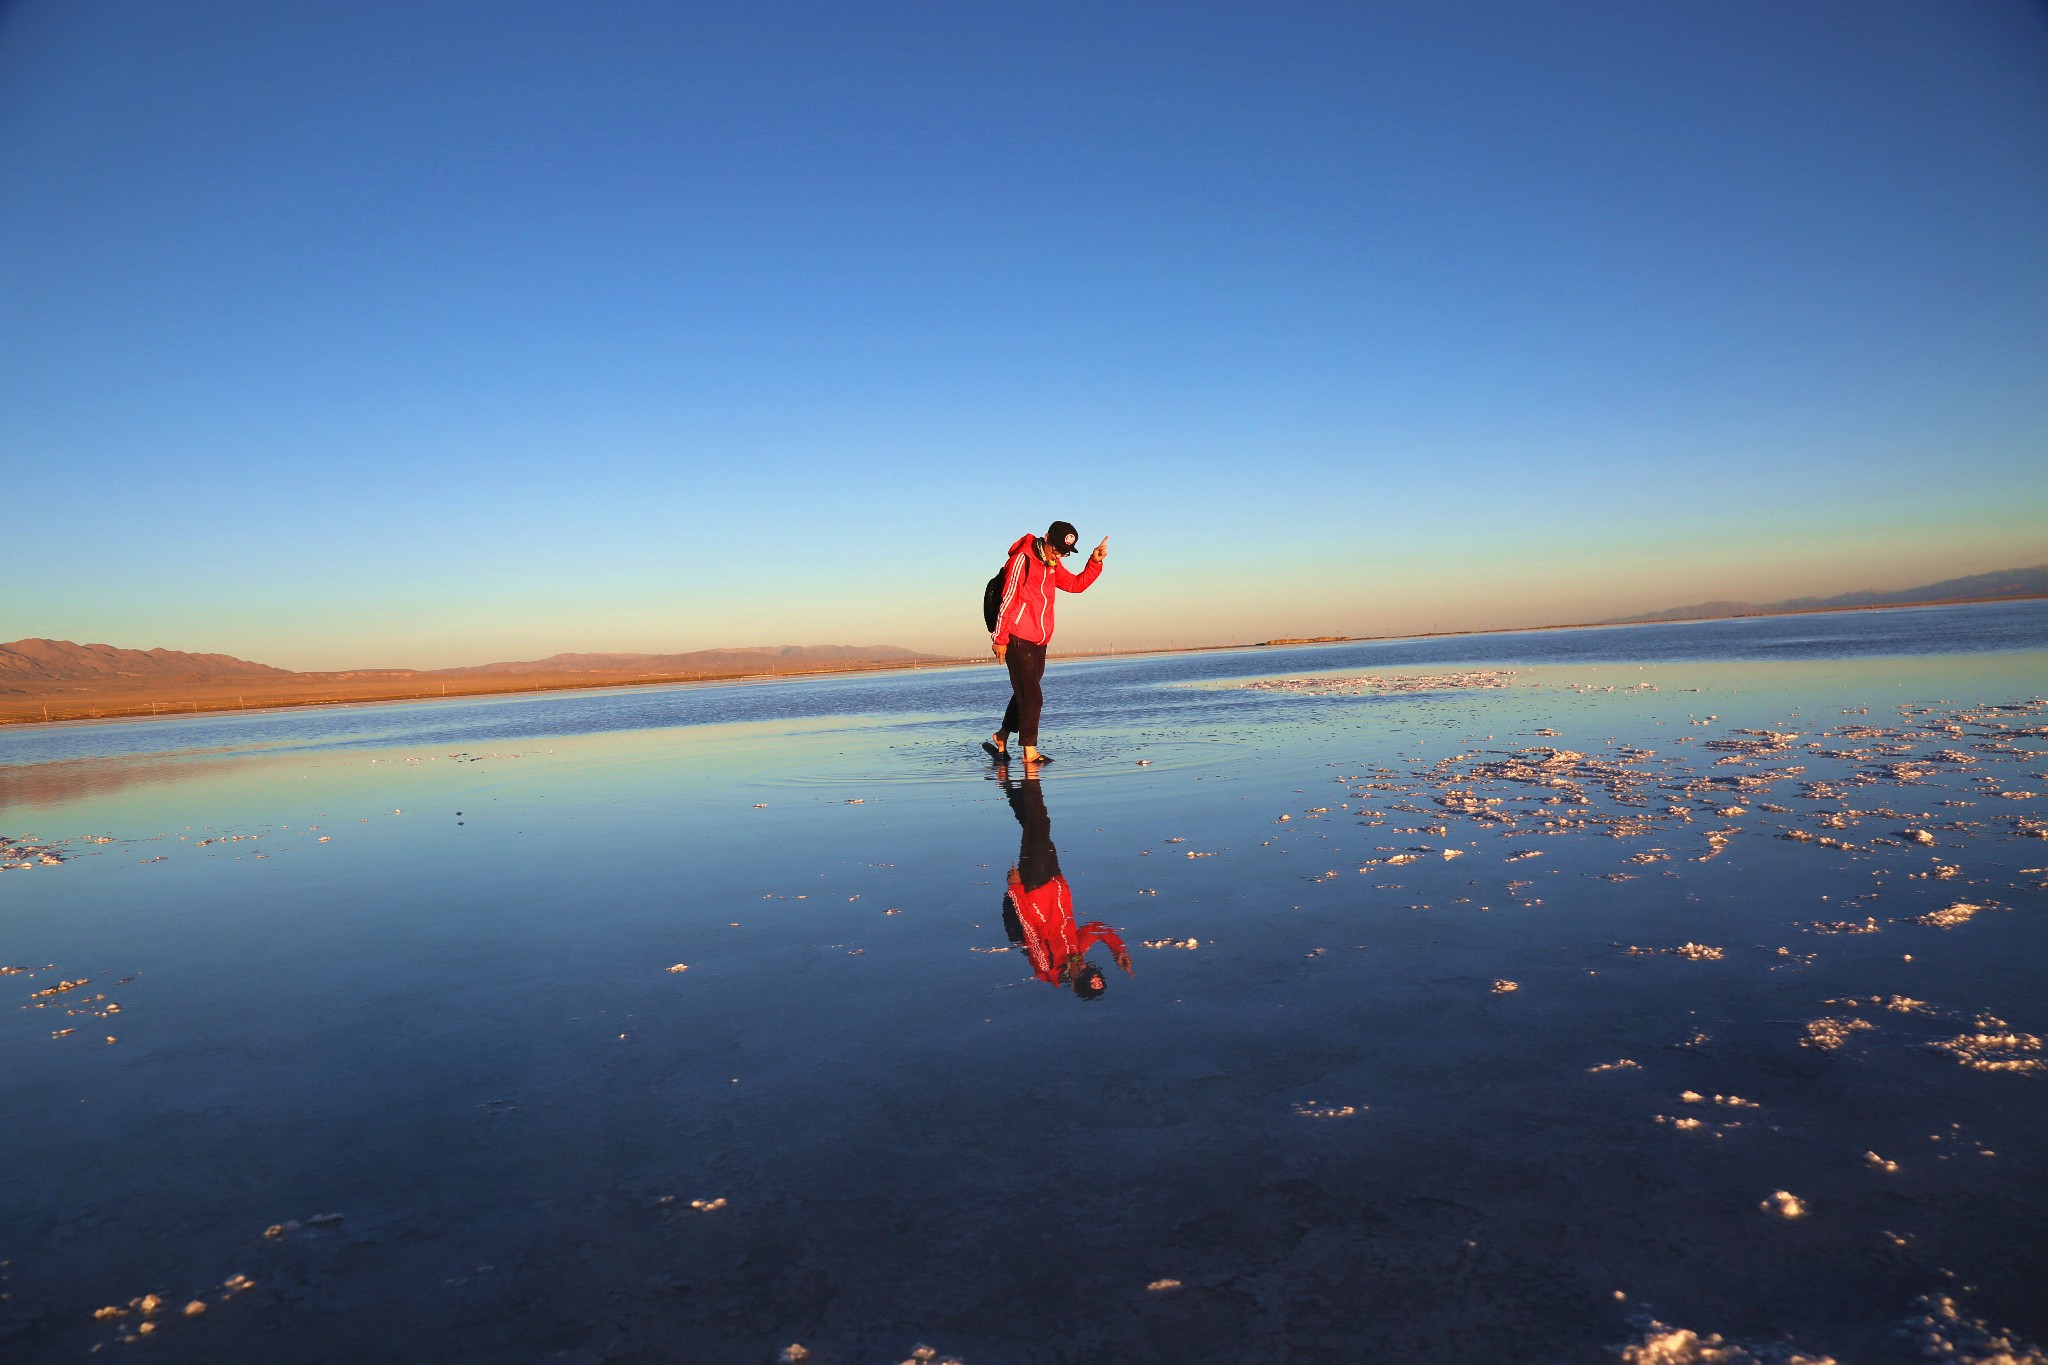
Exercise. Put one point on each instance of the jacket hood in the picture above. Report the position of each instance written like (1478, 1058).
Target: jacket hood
(1023, 542)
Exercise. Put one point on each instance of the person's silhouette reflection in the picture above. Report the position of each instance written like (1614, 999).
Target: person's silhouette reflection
(1038, 905)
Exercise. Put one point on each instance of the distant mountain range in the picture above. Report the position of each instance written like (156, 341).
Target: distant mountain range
(1978, 587)
(32, 663)
(48, 661)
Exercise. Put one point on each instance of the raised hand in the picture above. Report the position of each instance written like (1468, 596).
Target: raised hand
(1101, 552)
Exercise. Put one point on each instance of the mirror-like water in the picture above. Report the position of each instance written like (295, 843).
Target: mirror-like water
(1487, 997)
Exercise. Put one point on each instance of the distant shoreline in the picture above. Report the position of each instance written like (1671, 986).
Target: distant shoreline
(1297, 642)
(328, 690)
(204, 699)
(1825, 611)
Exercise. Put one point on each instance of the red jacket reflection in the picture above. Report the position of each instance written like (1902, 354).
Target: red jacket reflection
(1045, 920)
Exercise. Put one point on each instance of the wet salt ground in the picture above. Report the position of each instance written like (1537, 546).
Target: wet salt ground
(1323, 1128)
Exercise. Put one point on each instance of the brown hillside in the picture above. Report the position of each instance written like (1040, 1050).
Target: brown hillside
(32, 662)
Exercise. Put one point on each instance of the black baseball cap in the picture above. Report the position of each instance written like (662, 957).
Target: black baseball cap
(1062, 536)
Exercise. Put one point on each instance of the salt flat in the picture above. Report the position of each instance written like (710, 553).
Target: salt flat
(1533, 996)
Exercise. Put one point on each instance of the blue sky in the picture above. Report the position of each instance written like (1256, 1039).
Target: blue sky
(377, 334)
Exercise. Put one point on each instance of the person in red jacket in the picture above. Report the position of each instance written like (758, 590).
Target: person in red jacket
(1038, 905)
(1024, 629)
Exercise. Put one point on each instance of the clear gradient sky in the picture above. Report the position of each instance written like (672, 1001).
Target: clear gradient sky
(424, 334)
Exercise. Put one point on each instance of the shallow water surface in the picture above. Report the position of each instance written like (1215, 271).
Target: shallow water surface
(1505, 997)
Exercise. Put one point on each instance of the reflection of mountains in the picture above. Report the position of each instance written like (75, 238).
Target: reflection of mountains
(33, 786)
(763, 659)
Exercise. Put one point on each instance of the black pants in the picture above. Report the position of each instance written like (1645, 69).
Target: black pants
(1038, 862)
(1027, 698)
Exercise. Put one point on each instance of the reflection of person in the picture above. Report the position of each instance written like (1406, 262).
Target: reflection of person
(1024, 628)
(1038, 905)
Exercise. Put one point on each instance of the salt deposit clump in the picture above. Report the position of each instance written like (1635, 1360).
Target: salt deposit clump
(1661, 1344)
(1944, 1332)
(22, 854)
(1995, 1046)
(147, 1306)
(1418, 682)
(925, 1355)
(1844, 926)
(1896, 1004)
(1726, 1101)
(1691, 952)
(1313, 1109)
(1784, 1204)
(1688, 1124)
(1962, 912)
(1829, 1034)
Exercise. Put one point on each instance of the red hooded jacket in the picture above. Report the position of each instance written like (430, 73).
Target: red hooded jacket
(1046, 915)
(1028, 594)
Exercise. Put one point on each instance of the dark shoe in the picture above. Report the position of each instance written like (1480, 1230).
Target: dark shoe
(1040, 761)
(999, 755)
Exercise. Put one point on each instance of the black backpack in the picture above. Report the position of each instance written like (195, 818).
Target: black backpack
(992, 598)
